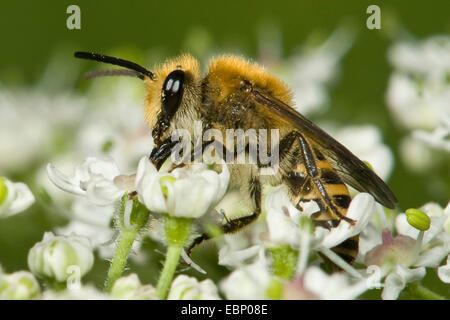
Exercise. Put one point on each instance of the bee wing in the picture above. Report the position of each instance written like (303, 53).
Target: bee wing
(351, 169)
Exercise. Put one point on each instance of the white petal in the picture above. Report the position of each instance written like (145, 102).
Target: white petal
(107, 168)
(248, 282)
(148, 186)
(309, 207)
(232, 258)
(280, 217)
(397, 280)
(224, 178)
(393, 285)
(410, 275)
(188, 288)
(315, 279)
(191, 263)
(444, 271)
(332, 287)
(361, 210)
(436, 226)
(93, 167)
(191, 197)
(24, 198)
(103, 192)
(432, 257)
(64, 182)
(18, 198)
(403, 227)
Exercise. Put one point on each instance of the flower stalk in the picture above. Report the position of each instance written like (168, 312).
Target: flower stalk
(177, 232)
(130, 223)
(416, 290)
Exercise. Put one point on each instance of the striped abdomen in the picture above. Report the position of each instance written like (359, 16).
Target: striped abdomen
(315, 179)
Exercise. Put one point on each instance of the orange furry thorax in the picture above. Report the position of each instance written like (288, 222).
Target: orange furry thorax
(227, 71)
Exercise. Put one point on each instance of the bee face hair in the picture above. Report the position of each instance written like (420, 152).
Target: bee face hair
(174, 98)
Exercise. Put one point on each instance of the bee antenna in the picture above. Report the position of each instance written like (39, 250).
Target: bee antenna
(115, 61)
(113, 72)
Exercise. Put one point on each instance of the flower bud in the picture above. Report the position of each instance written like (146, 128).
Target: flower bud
(189, 288)
(55, 256)
(418, 219)
(130, 288)
(20, 285)
(87, 292)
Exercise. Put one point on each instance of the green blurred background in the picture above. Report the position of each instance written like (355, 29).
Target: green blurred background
(31, 33)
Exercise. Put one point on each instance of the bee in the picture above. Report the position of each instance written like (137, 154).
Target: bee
(238, 94)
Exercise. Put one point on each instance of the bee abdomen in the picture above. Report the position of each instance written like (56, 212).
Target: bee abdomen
(314, 179)
(348, 250)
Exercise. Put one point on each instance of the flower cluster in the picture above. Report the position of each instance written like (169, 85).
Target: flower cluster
(418, 96)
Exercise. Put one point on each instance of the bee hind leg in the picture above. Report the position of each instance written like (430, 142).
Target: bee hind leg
(235, 225)
(230, 227)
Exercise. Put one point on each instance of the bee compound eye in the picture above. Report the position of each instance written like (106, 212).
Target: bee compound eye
(172, 92)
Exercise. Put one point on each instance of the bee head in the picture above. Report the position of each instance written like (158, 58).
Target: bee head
(173, 91)
(173, 98)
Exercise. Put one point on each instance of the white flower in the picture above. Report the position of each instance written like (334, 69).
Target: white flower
(394, 256)
(229, 256)
(125, 145)
(54, 256)
(21, 285)
(236, 248)
(444, 271)
(189, 288)
(371, 235)
(312, 71)
(283, 219)
(439, 138)
(429, 57)
(360, 210)
(435, 245)
(316, 284)
(92, 222)
(366, 143)
(417, 155)
(182, 193)
(84, 293)
(403, 259)
(396, 281)
(14, 197)
(418, 92)
(95, 179)
(28, 121)
(130, 288)
(249, 281)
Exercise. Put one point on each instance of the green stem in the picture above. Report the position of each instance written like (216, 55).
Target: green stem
(128, 232)
(177, 232)
(422, 292)
(119, 261)
(55, 285)
(170, 265)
